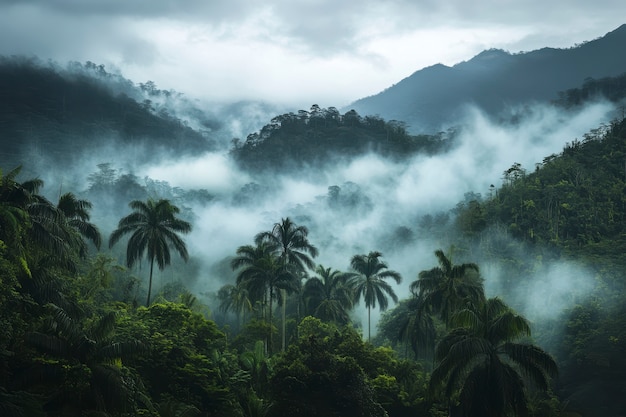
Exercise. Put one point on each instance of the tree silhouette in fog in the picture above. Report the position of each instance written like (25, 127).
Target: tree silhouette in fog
(369, 283)
(480, 365)
(154, 228)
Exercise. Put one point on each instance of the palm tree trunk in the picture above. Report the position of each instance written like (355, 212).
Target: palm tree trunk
(283, 293)
(269, 346)
(298, 316)
(150, 282)
(369, 324)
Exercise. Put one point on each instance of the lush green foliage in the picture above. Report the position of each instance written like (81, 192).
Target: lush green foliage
(76, 343)
(575, 201)
(571, 207)
(330, 371)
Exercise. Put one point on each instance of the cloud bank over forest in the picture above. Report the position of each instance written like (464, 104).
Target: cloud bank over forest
(383, 202)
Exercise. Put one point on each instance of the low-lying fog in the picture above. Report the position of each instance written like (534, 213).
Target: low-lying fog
(382, 195)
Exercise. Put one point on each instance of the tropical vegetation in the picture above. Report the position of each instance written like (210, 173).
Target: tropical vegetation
(95, 330)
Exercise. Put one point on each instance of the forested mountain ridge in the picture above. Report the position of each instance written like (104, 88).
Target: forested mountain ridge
(575, 201)
(321, 136)
(56, 112)
(434, 97)
(608, 88)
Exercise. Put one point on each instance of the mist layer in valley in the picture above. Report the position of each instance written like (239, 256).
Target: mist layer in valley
(405, 210)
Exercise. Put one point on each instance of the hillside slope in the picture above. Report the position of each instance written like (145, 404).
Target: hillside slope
(433, 98)
(56, 113)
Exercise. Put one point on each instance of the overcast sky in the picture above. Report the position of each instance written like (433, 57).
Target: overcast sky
(329, 52)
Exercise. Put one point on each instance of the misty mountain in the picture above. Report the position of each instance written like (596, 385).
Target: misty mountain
(609, 88)
(56, 113)
(434, 98)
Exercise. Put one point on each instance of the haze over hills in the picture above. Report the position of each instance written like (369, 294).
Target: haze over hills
(51, 113)
(548, 236)
(435, 97)
(47, 110)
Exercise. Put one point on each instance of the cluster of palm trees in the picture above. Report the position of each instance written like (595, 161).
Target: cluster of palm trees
(44, 243)
(481, 367)
(275, 267)
(46, 240)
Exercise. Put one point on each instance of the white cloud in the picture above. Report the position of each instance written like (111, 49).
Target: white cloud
(213, 172)
(297, 53)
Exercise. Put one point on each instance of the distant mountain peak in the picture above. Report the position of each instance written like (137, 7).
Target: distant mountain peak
(491, 53)
(432, 99)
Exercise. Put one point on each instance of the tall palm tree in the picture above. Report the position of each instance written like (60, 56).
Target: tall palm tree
(294, 249)
(369, 283)
(448, 287)
(292, 243)
(480, 365)
(328, 296)
(261, 273)
(154, 228)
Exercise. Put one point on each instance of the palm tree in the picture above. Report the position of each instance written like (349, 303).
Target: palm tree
(23, 209)
(235, 298)
(448, 287)
(256, 364)
(293, 248)
(417, 328)
(327, 296)
(292, 243)
(41, 236)
(261, 272)
(153, 227)
(76, 214)
(369, 283)
(13, 203)
(480, 365)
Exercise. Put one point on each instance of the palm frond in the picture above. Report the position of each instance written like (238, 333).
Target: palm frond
(537, 364)
(508, 326)
(48, 343)
(109, 388)
(20, 404)
(121, 350)
(103, 328)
